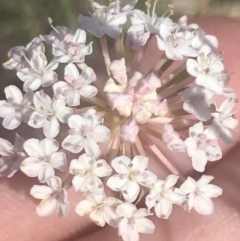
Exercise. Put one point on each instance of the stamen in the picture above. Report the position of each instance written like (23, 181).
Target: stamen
(51, 24)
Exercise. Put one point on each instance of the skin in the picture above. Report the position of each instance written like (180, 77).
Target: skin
(19, 221)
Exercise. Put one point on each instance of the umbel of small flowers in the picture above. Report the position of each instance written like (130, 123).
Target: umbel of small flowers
(110, 123)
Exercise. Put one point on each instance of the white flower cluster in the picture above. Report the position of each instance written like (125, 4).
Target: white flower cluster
(109, 124)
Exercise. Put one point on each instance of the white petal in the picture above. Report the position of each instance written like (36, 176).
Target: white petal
(51, 128)
(95, 185)
(91, 147)
(189, 185)
(59, 161)
(49, 78)
(40, 191)
(211, 190)
(73, 143)
(101, 134)
(88, 91)
(121, 164)
(199, 160)
(144, 225)
(71, 70)
(204, 180)
(204, 205)
(37, 120)
(63, 114)
(127, 232)
(55, 183)
(6, 108)
(140, 163)
(101, 168)
(32, 148)
(80, 184)
(46, 208)
(131, 191)
(31, 166)
(76, 121)
(84, 207)
(6, 148)
(126, 210)
(45, 172)
(193, 67)
(116, 182)
(170, 181)
(97, 218)
(13, 94)
(48, 146)
(12, 121)
(163, 209)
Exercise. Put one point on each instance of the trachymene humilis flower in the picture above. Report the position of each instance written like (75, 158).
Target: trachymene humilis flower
(122, 118)
(199, 194)
(101, 209)
(54, 197)
(87, 172)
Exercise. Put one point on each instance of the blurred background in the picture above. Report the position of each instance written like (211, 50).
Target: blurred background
(23, 20)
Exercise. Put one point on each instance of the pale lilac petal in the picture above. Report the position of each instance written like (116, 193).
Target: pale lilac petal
(199, 160)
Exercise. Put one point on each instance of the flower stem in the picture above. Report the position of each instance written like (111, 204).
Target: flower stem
(164, 93)
(67, 183)
(97, 101)
(105, 52)
(139, 147)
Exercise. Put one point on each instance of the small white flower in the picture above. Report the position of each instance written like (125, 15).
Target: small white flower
(103, 22)
(200, 194)
(137, 37)
(224, 121)
(53, 196)
(43, 158)
(197, 101)
(76, 85)
(152, 23)
(85, 133)
(17, 61)
(133, 222)
(48, 114)
(87, 172)
(176, 46)
(207, 69)
(163, 195)
(199, 38)
(16, 109)
(172, 139)
(101, 209)
(201, 148)
(40, 73)
(130, 175)
(73, 48)
(11, 156)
